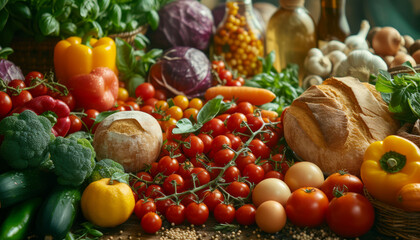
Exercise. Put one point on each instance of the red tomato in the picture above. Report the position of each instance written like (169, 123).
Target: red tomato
(271, 138)
(214, 127)
(22, 98)
(131, 106)
(200, 175)
(259, 149)
(198, 161)
(151, 223)
(151, 102)
(244, 159)
(212, 198)
(224, 213)
(266, 165)
(160, 94)
(236, 122)
(142, 207)
(274, 174)
(306, 207)
(223, 116)
(145, 91)
(280, 163)
(254, 122)
(235, 140)
(220, 142)
(218, 65)
(350, 215)
(147, 109)
(68, 99)
(207, 141)
(168, 165)
(5, 104)
(231, 174)
(188, 198)
(223, 157)
(76, 124)
(163, 205)
(197, 213)
(185, 169)
(245, 215)
(154, 191)
(238, 189)
(225, 74)
(154, 169)
(241, 80)
(342, 180)
(170, 135)
(255, 173)
(16, 84)
(245, 108)
(175, 214)
(192, 146)
(90, 117)
(171, 181)
(39, 90)
(233, 83)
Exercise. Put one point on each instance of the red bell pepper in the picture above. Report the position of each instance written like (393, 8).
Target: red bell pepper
(96, 90)
(42, 105)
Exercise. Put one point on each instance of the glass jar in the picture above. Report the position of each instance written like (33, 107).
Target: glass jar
(332, 23)
(239, 38)
(291, 33)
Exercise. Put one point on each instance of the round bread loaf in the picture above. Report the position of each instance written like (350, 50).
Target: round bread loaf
(132, 138)
(332, 124)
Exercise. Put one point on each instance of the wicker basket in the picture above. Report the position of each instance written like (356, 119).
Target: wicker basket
(395, 222)
(31, 55)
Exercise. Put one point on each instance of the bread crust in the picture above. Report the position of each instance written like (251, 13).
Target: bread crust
(332, 124)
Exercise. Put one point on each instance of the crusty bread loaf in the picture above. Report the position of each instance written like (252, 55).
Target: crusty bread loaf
(132, 138)
(332, 124)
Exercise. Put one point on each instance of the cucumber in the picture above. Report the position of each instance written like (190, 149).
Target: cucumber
(19, 220)
(57, 212)
(18, 186)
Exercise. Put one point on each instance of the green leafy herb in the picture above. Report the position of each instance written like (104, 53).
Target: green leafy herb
(284, 84)
(401, 92)
(210, 110)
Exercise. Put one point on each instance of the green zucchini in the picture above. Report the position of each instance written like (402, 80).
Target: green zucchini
(19, 220)
(57, 212)
(18, 186)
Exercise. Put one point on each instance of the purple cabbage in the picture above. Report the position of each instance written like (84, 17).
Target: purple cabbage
(184, 23)
(9, 71)
(182, 71)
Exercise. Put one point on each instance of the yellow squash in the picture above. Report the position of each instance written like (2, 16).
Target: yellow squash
(107, 204)
(388, 165)
(409, 197)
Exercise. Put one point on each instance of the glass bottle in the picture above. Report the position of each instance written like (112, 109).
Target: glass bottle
(239, 38)
(332, 23)
(290, 33)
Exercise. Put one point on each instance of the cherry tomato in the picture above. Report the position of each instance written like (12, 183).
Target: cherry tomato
(220, 142)
(163, 205)
(202, 176)
(214, 127)
(244, 159)
(175, 112)
(192, 146)
(198, 161)
(342, 180)
(168, 123)
(90, 117)
(218, 65)
(280, 163)
(350, 215)
(175, 214)
(170, 135)
(190, 113)
(154, 169)
(142, 207)
(255, 173)
(185, 169)
(270, 138)
(224, 213)
(131, 106)
(212, 198)
(171, 181)
(207, 141)
(22, 98)
(5, 104)
(39, 90)
(231, 174)
(154, 191)
(189, 198)
(233, 83)
(147, 109)
(238, 189)
(235, 140)
(122, 94)
(245, 215)
(181, 101)
(151, 102)
(120, 108)
(151, 223)
(144, 176)
(306, 207)
(197, 213)
(236, 122)
(160, 94)
(168, 165)
(223, 157)
(254, 122)
(75, 124)
(16, 84)
(145, 91)
(67, 99)
(274, 174)
(266, 165)
(162, 105)
(240, 80)
(225, 74)
(245, 108)
(196, 103)
(259, 149)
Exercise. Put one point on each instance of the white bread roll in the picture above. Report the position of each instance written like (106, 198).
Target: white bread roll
(332, 124)
(132, 138)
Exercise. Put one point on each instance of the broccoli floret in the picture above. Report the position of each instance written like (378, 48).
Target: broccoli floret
(26, 139)
(73, 160)
(105, 169)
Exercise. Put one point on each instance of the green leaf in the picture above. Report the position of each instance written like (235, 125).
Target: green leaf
(4, 52)
(146, 5)
(184, 125)
(141, 41)
(4, 15)
(48, 25)
(3, 3)
(68, 28)
(414, 103)
(120, 177)
(133, 82)
(88, 8)
(81, 134)
(209, 110)
(126, 60)
(268, 62)
(383, 84)
(153, 19)
(98, 26)
(115, 13)
(102, 115)
(103, 5)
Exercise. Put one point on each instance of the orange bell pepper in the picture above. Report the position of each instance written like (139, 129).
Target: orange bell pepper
(73, 57)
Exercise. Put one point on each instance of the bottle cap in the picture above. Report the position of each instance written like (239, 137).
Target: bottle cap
(292, 3)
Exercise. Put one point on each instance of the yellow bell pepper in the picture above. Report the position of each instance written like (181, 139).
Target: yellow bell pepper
(72, 57)
(106, 203)
(388, 165)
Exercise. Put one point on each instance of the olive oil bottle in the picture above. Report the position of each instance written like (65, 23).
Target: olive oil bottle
(332, 23)
(290, 33)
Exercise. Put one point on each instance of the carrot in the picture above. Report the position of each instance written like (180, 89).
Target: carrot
(255, 96)
(271, 115)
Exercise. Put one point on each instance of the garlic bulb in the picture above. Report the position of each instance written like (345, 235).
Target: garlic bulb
(358, 41)
(317, 64)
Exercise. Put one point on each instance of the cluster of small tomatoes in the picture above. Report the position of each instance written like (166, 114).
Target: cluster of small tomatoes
(224, 75)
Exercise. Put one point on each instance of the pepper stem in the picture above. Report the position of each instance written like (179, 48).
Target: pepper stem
(88, 35)
(392, 162)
